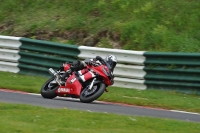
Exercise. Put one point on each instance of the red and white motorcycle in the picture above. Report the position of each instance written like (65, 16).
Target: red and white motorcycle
(87, 92)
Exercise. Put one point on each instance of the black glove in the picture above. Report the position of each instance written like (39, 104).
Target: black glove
(91, 63)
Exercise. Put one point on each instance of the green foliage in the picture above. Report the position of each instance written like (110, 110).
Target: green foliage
(147, 25)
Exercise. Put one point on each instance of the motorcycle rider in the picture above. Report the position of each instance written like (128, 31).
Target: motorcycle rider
(84, 73)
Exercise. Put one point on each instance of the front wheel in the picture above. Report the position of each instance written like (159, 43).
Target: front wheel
(49, 88)
(88, 96)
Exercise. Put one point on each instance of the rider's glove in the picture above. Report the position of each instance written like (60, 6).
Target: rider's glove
(91, 63)
(98, 63)
(94, 63)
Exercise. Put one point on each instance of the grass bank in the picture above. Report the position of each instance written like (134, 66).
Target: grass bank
(17, 118)
(147, 25)
(152, 98)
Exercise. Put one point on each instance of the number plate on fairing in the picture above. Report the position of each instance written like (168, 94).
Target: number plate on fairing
(64, 90)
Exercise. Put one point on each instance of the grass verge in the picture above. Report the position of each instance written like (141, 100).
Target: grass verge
(17, 118)
(152, 98)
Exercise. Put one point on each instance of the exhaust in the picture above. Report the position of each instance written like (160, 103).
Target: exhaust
(52, 72)
(56, 75)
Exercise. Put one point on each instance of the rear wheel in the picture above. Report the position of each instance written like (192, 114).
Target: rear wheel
(88, 96)
(49, 88)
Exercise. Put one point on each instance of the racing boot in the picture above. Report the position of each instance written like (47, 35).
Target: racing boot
(80, 80)
(65, 76)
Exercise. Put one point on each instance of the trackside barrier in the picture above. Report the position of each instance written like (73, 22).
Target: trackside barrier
(173, 71)
(10, 42)
(123, 56)
(37, 56)
(135, 69)
(9, 48)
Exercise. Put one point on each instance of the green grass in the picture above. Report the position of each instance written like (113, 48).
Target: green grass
(152, 98)
(21, 82)
(17, 118)
(147, 25)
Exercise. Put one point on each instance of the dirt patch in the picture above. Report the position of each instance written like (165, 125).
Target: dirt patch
(78, 36)
(6, 27)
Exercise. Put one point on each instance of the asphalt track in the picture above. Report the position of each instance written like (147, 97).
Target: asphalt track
(105, 107)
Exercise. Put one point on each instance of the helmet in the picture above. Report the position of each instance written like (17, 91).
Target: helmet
(111, 60)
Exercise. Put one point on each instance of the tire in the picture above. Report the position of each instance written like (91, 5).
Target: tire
(88, 99)
(47, 92)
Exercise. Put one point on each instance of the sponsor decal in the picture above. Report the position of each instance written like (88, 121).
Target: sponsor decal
(73, 80)
(63, 90)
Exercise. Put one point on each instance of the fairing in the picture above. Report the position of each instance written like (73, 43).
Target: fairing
(73, 87)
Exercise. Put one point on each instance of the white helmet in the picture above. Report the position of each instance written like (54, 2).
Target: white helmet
(111, 60)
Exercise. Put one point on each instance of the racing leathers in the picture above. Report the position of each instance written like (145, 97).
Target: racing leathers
(80, 66)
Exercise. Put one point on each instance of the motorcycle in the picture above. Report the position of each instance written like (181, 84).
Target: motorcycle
(87, 91)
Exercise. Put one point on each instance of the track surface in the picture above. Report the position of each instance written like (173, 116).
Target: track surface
(35, 99)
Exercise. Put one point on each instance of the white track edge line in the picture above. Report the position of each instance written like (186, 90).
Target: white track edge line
(178, 111)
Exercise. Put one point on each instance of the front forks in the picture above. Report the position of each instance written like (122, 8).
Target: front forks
(92, 83)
